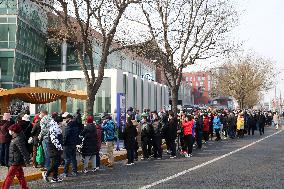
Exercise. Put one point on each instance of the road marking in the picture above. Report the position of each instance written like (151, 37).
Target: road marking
(205, 163)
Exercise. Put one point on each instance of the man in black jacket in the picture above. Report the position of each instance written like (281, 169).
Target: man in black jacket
(172, 133)
(199, 130)
(18, 157)
(157, 136)
(70, 140)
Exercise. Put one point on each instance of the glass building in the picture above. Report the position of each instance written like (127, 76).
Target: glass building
(22, 42)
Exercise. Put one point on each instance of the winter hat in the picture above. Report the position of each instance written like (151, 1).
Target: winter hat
(26, 117)
(7, 116)
(54, 115)
(90, 119)
(15, 128)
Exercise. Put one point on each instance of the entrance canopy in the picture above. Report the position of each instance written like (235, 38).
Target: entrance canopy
(36, 95)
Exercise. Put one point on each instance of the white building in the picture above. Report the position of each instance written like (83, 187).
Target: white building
(140, 93)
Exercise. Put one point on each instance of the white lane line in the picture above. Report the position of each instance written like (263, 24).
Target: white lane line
(205, 163)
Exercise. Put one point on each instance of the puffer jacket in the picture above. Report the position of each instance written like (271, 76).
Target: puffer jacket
(45, 125)
(109, 130)
(240, 123)
(157, 128)
(206, 124)
(172, 130)
(55, 140)
(71, 134)
(187, 127)
(5, 137)
(18, 153)
(35, 132)
(90, 143)
(216, 123)
(129, 136)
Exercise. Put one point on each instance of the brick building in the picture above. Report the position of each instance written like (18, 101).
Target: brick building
(201, 85)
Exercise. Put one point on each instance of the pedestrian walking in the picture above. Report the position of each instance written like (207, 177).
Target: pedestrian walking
(172, 132)
(187, 126)
(276, 120)
(55, 150)
(145, 137)
(70, 140)
(206, 123)
(89, 145)
(217, 127)
(240, 125)
(5, 139)
(157, 136)
(129, 140)
(109, 134)
(35, 141)
(44, 134)
(18, 157)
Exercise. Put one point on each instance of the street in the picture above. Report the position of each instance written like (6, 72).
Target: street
(252, 162)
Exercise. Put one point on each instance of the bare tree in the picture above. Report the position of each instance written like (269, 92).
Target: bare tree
(244, 78)
(181, 32)
(77, 22)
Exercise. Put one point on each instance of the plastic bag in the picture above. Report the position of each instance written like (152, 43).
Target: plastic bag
(39, 155)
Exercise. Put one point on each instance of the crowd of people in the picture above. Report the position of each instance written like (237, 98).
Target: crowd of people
(51, 140)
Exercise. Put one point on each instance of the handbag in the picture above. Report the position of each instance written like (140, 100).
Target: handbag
(39, 155)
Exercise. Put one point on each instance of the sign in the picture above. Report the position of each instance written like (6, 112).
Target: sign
(120, 114)
(148, 76)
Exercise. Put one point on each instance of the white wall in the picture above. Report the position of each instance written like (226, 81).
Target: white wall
(116, 87)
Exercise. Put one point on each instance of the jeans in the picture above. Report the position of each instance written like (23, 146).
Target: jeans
(98, 160)
(46, 154)
(199, 139)
(53, 167)
(217, 131)
(172, 146)
(18, 171)
(70, 157)
(206, 135)
(130, 155)
(188, 139)
(144, 143)
(4, 154)
(86, 160)
(110, 146)
(157, 142)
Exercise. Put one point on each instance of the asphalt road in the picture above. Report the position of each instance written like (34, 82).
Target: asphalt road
(252, 162)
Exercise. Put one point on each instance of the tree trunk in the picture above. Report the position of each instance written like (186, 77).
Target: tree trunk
(90, 100)
(174, 100)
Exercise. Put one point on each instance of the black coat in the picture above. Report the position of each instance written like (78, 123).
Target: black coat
(90, 143)
(18, 153)
(129, 136)
(199, 124)
(71, 134)
(35, 133)
(172, 130)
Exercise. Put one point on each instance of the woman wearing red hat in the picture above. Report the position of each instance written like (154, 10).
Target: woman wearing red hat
(90, 144)
(18, 156)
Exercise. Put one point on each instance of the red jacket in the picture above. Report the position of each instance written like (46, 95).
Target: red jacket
(187, 127)
(99, 136)
(206, 124)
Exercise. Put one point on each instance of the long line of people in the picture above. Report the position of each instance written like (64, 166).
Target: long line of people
(52, 140)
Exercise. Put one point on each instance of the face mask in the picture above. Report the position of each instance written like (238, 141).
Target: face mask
(11, 132)
(40, 116)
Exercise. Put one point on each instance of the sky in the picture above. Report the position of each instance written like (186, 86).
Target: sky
(261, 30)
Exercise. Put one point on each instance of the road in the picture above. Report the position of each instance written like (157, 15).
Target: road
(252, 162)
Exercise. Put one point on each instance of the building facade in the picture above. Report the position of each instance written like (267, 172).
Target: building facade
(140, 93)
(201, 86)
(22, 42)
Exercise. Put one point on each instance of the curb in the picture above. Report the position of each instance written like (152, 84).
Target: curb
(38, 175)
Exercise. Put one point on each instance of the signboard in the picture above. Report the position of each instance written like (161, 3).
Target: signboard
(148, 76)
(121, 114)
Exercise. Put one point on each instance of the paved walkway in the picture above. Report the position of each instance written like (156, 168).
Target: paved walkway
(30, 170)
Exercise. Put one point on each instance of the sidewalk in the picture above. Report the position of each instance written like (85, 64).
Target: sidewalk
(35, 173)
